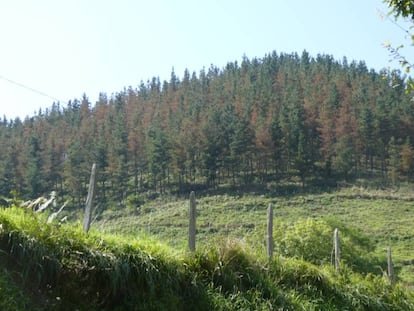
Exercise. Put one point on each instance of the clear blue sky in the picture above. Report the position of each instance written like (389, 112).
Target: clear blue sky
(68, 47)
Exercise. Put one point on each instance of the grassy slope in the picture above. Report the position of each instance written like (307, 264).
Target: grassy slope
(386, 217)
(63, 269)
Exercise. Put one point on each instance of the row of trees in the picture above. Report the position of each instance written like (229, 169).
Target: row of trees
(280, 117)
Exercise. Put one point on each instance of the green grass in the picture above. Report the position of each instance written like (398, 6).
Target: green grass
(12, 297)
(121, 265)
(384, 217)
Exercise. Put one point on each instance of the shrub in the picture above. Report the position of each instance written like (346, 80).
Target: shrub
(135, 201)
(312, 240)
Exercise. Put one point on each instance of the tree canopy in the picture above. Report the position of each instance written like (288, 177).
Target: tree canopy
(282, 117)
(403, 8)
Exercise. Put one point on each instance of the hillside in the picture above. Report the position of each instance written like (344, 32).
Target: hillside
(58, 267)
(282, 117)
(292, 131)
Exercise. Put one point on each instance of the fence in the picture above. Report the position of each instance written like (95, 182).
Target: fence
(192, 230)
(270, 242)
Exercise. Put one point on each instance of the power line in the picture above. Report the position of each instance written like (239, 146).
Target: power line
(387, 17)
(31, 89)
(399, 26)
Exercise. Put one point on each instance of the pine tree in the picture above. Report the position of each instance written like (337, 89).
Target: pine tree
(212, 147)
(33, 170)
(344, 161)
(407, 158)
(327, 125)
(367, 131)
(292, 124)
(240, 146)
(393, 160)
(158, 155)
(303, 161)
(277, 140)
(117, 150)
(74, 173)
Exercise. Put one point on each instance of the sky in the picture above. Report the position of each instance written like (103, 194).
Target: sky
(57, 50)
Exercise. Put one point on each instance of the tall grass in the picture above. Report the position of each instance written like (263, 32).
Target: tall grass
(12, 298)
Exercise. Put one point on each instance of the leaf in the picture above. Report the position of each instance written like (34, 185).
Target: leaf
(387, 44)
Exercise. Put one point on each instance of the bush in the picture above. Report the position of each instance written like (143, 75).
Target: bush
(312, 240)
(307, 239)
(135, 201)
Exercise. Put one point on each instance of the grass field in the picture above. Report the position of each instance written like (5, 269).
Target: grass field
(384, 217)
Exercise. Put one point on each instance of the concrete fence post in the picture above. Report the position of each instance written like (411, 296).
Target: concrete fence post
(337, 251)
(88, 205)
(192, 225)
(269, 238)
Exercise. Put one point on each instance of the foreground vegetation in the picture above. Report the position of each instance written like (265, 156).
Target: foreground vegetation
(120, 265)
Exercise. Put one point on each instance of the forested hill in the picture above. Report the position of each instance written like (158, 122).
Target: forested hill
(280, 117)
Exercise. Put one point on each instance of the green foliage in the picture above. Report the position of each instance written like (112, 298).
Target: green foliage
(344, 161)
(307, 239)
(403, 8)
(158, 150)
(135, 201)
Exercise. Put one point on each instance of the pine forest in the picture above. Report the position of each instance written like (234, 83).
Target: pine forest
(262, 122)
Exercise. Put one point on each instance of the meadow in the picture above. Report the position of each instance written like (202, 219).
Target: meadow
(136, 258)
(382, 217)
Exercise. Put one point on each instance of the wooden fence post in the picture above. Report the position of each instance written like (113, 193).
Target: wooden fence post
(391, 276)
(269, 239)
(192, 226)
(337, 251)
(88, 205)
